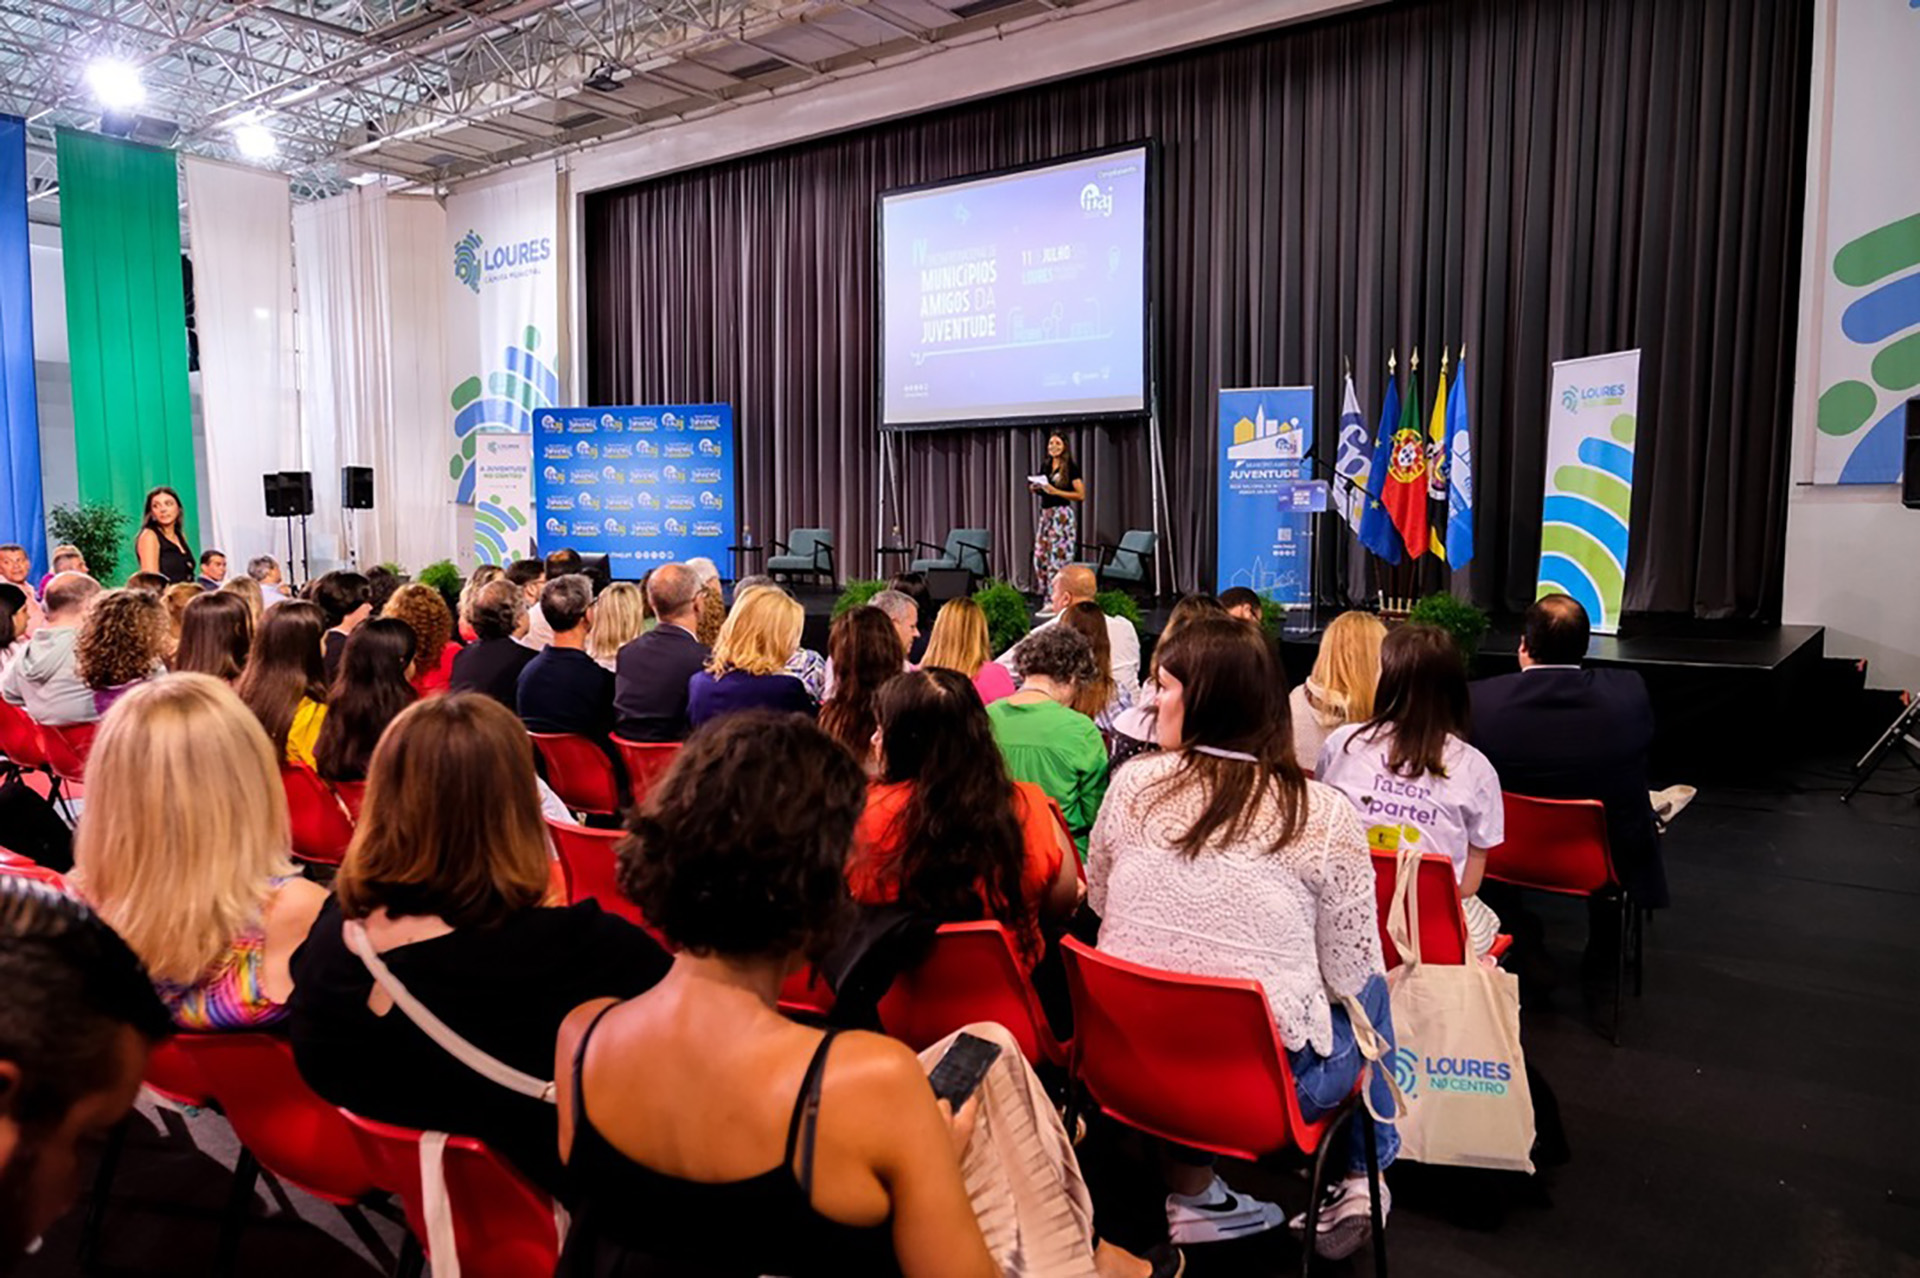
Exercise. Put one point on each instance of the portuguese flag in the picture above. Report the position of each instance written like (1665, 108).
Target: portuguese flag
(1403, 489)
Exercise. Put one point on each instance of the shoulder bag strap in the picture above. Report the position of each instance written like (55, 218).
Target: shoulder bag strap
(1403, 912)
(488, 1067)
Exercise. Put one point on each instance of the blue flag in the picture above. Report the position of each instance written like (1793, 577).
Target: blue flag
(1460, 468)
(1377, 532)
(1350, 465)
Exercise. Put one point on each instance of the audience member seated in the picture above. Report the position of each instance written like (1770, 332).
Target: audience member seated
(205, 892)
(265, 570)
(1340, 689)
(248, 591)
(382, 581)
(1243, 604)
(652, 674)
(866, 651)
(806, 665)
(16, 567)
(563, 689)
(123, 642)
(1074, 584)
(1099, 698)
(704, 1132)
(619, 615)
(1135, 729)
(346, 599)
(747, 670)
(471, 587)
(176, 598)
(960, 643)
(213, 570)
(216, 634)
(905, 603)
(368, 694)
(44, 679)
(448, 875)
(1411, 774)
(151, 582)
(431, 621)
(1216, 857)
(14, 620)
(493, 659)
(77, 1019)
(285, 682)
(1557, 730)
(712, 603)
(947, 831)
(531, 576)
(1042, 739)
(914, 586)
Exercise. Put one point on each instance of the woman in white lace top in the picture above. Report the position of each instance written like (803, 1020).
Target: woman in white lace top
(1217, 857)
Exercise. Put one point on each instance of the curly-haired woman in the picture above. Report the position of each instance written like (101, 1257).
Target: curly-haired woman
(431, 621)
(1042, 739)
(122, 643)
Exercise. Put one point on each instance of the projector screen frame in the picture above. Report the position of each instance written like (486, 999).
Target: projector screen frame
(1149, 269)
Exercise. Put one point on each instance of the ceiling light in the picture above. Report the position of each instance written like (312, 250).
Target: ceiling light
(364, 179)
(116, 84)
(256, 141)
(605, 78)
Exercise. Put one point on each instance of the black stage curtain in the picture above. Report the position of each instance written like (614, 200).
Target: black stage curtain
(1536, 178)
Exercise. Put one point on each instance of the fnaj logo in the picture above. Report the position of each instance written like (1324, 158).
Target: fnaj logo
(466, 260)
(1095, 202)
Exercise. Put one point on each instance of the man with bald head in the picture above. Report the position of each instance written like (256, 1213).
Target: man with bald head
(651, 673)
(43, 678)
(1074, 584)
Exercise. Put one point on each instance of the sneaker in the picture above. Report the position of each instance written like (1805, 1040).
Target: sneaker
(1217, 1214)
(1346, 1217)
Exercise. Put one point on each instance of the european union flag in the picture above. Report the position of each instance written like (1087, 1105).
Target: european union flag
(1377, 532)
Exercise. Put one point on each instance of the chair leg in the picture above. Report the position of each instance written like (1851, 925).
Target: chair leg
(1310, 1237)
(102, 1190)
(1620, 965)
(411, 1262)
(1640, 917)
(246, 1175)
(1367, 1134)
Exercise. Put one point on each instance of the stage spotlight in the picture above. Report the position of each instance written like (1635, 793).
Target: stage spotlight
(115, 84)
(256, 141)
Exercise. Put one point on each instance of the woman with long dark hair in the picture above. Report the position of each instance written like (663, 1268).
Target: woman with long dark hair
(216, 633)
(1216, 856)
(285, 682)
(1411, 774)
(864, 647)
(946, 830)
(161, 544)
(368, 694)
(1056, 537)
(1099, 698)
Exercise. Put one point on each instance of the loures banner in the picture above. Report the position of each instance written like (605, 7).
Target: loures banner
(504, 267)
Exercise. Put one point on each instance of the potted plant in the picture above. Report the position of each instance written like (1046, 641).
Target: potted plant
(856, 594)
(1466, 623)
(97, 530)
(444, 577)
(1006, 610)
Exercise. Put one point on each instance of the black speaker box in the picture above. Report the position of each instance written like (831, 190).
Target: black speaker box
(1910, 477)
(356, 488)
(948, 583)
(289, 493)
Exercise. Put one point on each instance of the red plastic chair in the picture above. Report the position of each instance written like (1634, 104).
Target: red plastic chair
(806, 994)
(21, 741)
(20, 867)
(1560, 846)
(1443, 928)
(503, 1227)
(579, 772)
(322, 827)
(352, 795)
(587, 860)
(1198, 1061)
(172, 1074)
(645, 761)
(971, 974)
(67, 746)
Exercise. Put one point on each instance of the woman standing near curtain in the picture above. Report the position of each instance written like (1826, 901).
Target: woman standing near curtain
(1057, 535)
(162, 541)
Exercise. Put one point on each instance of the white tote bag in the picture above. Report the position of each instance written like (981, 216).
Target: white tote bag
(1458, 1059)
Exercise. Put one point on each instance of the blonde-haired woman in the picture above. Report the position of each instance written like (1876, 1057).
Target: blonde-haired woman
(1340, 689)
(960, 642)
(248, 589)
(204, 892)
(748, 668)
(481, 576)
(619, 615)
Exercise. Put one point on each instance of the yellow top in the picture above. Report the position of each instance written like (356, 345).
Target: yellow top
(305, 732)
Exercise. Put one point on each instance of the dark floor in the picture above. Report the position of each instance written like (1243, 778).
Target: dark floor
(1761, 1117)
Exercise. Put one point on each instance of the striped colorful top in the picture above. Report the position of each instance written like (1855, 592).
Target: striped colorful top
(232, 996)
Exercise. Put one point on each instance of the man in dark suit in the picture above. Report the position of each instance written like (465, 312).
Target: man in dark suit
(493, 661)
(563, 689)
(1557, 730)
(651, 672)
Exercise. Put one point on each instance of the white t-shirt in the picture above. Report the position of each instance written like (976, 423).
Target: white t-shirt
(1448, 814)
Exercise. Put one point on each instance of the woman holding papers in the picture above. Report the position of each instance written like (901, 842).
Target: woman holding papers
(1061, 490)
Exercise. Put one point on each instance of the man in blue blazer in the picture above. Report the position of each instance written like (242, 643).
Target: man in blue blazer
(650, 674)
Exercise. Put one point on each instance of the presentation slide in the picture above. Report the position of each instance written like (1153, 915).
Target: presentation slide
(1017, 295)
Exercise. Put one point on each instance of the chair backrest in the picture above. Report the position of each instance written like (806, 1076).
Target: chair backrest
(67, 746)
(295, 1135)
(810, 541)
(969, 975)
(1443, 928)
(321, 826)
(587, 860)
(969, 547)
(20, 867)
(1130, 557)
(20, 738)
(1191, 1059)
(352, 795)
(807, 994)
(503, 1227)
(1554, 845)
(172, 1073)
(579, 772)
(645, 762)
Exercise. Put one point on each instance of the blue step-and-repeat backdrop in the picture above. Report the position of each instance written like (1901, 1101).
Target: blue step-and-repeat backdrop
(643, 484)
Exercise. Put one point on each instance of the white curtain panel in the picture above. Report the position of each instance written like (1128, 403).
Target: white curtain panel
(240, 229)
(371, 315)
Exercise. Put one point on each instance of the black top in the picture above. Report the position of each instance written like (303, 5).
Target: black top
(492, 666)
(1047, 500)
(333, 646)
(565, 690)
(650, 684)
(630, 1221)
(176, 561)
(503, 989)
(1579, 734)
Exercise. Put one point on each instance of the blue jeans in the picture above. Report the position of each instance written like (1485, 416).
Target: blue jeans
(1325, 1082)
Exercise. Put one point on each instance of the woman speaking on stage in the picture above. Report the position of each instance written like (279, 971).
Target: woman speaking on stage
(161, 545)
(1057, 535)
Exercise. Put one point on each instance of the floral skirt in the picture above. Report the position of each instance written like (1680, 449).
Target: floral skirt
(1053, 545)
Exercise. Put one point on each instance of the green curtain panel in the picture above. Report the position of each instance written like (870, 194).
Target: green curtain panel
(126, 323)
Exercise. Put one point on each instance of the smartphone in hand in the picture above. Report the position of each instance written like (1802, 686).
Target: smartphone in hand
(959, 1072)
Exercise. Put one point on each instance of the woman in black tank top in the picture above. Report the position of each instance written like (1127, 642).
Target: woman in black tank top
(161, 544)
